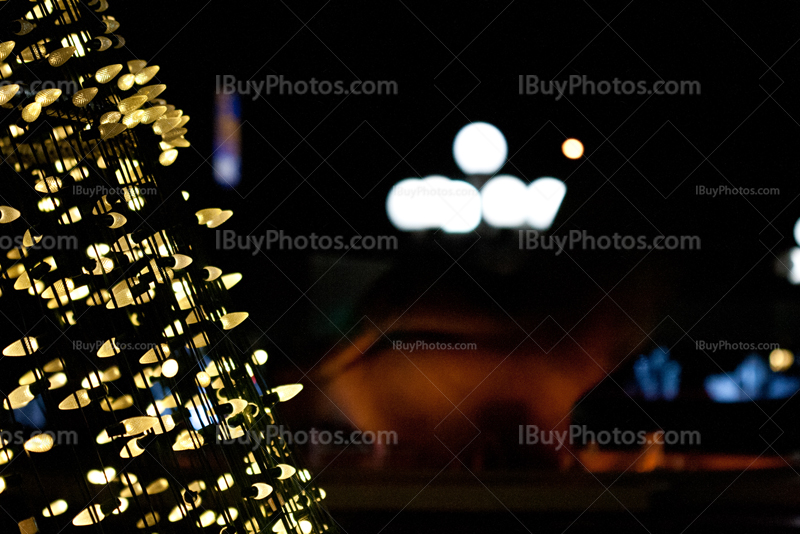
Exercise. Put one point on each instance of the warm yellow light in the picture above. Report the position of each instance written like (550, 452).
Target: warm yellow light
(40, 443)
(133, 119)
(152, 91)
(5, 49)
(152, 114)
(48, 204)
(31, 112)
(135, 65)
(95, 476)
(263, 490)
(572, 148)
(178, 142)
(213, 273)
(118, 220)
(60, 56)
(220, 218)
(168, 157)
(81, 98)
(107, 73)
(225, 482)
(164, 124)
(22, 347)
(79, 399)
(260, 357)
(207, 215)
(50, 184)
(125, 82)
(157, 486)
(111, 26)
(88, 516)
(146, 74)
(207, 518)
(110, 117)
(286, 471)
(132, 103)
(58, 507)
(47, 97)
(203, 379)
(7, 92)
(232, 320)
(173, 133)
(176, 514)
(781, 359)
(150, 519)
(97, 250)
(169, 368)
(288, 391)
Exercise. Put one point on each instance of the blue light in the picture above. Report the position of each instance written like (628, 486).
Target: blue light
(227, 160)
(657, 376)
(752, 380)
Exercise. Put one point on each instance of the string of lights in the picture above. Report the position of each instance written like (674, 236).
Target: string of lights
(127, 333)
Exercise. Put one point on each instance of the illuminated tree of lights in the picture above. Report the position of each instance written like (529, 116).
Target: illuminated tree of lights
(123, 329)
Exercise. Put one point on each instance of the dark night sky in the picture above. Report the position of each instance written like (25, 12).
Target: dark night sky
(325, 164)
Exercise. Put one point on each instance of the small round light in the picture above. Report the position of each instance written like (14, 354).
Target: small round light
(260, 357)
(480, 148)
(572, 148)
(203, 379)
(780, 359)
(169, 368)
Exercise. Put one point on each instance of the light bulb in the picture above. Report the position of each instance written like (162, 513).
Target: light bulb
(21, 347)
(203, 379)
(125, 82)
(206, 215)
(146, 74)
(39, 443)
(286, 471)
(260, 357)
(7, 92)
(111, 26)
(132, 103)
(47, 96)
(110, 117)
(168, 157)
(107, 73)
(157, 486)
(60, 56)
(225, 482)
(169, 368)
(152, 114)
(8, 214)
(31, 112)
(152, 91)
(101, 478)
(5, 49)
(58, 507)
(232, 320)
(48, 185)
(164, 124)
(572, 148)
(107, 131)
(82, 98)
(135, 65)
(263, 490)
(220, 218)
(287, 392)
